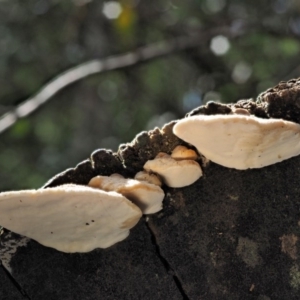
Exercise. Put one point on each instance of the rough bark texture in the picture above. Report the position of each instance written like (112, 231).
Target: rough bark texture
(231, 235)
(9, 288)
(127, 270)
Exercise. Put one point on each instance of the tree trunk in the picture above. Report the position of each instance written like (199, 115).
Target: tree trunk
(231, 235)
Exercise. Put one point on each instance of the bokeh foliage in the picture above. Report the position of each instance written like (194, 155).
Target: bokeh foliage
(41, 38)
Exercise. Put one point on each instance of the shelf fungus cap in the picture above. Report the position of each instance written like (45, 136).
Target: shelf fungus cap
(148, 177)
(148, 197)
(239, 141)
(182, 152)
(175, 173)
(69, 218)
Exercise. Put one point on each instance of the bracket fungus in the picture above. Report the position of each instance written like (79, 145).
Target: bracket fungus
(175, 173)
(182, 152)
(148, 177)
(69, 218)
(148, 197)
(240, 141)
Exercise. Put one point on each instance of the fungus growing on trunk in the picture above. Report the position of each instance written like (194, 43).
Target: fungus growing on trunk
(175, 173)
(182, 152)
(148, 197)
(148, 177)
(69, 218)
(239, 141)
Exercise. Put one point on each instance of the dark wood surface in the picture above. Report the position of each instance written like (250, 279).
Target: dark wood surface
(128, 270)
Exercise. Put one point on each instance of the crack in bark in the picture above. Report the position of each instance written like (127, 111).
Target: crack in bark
(15, 283)
(167, 266)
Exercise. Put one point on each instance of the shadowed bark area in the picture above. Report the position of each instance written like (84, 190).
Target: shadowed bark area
(231, 235)
(128, 270)
(9, 289)
(234, 234)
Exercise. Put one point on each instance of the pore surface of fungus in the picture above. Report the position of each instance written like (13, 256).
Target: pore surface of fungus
(148, 197)
(69, 218)
(241, 142)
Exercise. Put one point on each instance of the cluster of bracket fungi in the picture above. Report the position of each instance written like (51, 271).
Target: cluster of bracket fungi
(100, 211)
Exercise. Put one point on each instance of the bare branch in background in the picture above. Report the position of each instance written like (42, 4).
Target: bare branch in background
(86, 69)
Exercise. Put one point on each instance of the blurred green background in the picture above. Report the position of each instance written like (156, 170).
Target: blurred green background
(39, 39)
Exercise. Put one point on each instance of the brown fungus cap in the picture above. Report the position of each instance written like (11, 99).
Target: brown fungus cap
(69, 218)
(241, 142)
(148, 197)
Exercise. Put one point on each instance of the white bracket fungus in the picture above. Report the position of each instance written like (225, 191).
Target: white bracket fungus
(148, 177)
(148, 197)
(240, 111)
(239, 141)
(182, 152)
(69, 218)
(175, 173)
